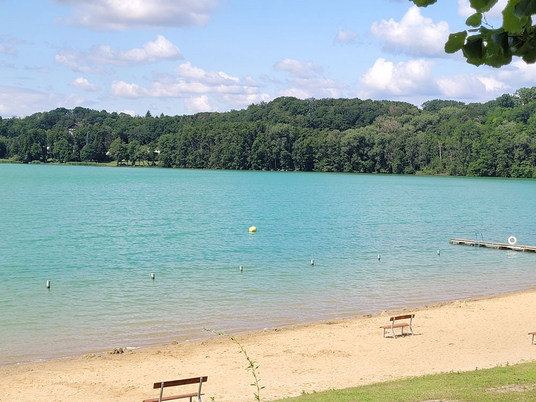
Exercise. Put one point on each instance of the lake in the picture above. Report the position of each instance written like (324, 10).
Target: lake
(97, 234)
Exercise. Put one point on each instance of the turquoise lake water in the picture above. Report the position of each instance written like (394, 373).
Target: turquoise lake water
(98, 233)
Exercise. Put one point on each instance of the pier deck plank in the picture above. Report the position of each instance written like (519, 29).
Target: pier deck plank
(492, 244)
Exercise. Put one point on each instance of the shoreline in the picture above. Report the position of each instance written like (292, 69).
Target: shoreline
(459, 335)
(168, 338)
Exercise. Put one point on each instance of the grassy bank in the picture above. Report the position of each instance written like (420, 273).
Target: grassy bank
(108, 164)
(508, 383)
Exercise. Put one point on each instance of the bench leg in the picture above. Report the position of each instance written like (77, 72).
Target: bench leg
(411, 329)
(393, 331)
(161, 392)
(384, 334)
(532, 339)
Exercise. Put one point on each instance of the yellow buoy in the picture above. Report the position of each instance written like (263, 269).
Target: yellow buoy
(252, 229)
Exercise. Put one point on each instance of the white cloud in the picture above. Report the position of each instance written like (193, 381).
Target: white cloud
(126, 90)
(98, 57)
(461, 86)
(129, 112)
(72, 58)
(6, 45)
(465, 9)
(198, 104)
(121, 14)
(201, 89)
(297, 69)
(518, 74)
(492, 84)
(23, 102)
(414, 80)
(187, 71)
(3, 64)
(414, 34)
(387, 78)
(306, 82)
(314, 88)
(346, 36)
(236, 101)
(40, 69)
(151, 52)
(84, 84)
(12, 51)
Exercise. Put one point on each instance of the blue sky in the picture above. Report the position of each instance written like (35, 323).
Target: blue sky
(181, 57)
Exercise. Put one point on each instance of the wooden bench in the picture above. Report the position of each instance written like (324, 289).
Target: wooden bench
(176, 383)
(402, 325)
(533, 334)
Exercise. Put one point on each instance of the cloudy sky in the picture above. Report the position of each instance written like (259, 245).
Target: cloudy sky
(187, 56)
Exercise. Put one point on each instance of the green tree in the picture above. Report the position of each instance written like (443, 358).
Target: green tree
(506, 101)
(33, 145)
(525, 95)
(118, 151)
(62, 150)
(151, 154)
(87, 153)
(3, 147)
(483, 44)
(355, 148)
(133, 151)
(166, 149)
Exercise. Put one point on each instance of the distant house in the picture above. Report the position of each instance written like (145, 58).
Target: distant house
(73, 127)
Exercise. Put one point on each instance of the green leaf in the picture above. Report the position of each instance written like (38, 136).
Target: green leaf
(511, 23)
(515, 44)
(500, 38)
(525, 8)
(482, 5)
(473, 48)
(423, 3)
(498, 61)
(495, 54)
(455, 42)
(475, 62)
(474, 20)
(530, 56)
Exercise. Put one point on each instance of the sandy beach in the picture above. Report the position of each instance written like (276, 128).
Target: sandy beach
(457, 336)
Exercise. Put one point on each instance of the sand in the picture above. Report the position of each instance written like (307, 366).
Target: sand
(457, 336)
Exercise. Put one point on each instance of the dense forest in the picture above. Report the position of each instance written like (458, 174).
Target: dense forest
(495, 139)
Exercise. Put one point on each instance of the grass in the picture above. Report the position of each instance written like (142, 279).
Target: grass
(504, 383)
(109, 164)
(85, 163)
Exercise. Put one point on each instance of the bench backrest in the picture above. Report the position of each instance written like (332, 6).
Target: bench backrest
(403, 317)
(175, 383)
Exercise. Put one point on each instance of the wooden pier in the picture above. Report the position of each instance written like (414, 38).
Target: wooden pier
(492, 244)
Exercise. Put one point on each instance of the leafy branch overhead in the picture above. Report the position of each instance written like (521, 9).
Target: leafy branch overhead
(482, 44)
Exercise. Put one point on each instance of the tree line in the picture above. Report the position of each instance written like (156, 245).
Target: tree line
(492, 139)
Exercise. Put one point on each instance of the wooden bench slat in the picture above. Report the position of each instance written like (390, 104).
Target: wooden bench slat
(171, 397)
(175, 383)
(395, 326)
(402, 317)
(185, 381)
